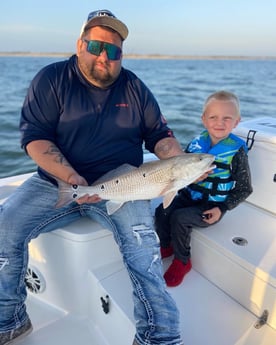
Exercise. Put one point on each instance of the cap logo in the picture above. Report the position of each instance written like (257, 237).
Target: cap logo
(103, 13)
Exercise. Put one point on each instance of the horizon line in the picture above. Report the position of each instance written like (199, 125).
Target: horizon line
(147, 56)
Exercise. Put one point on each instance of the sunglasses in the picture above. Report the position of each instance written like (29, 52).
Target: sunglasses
(96, 47)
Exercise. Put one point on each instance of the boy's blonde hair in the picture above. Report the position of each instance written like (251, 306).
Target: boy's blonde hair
(223, 96)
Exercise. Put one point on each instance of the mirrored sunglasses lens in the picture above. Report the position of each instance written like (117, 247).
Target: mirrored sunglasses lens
(113, 52)
(94, 47)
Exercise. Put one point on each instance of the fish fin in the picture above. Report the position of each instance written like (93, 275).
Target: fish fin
(113, 206)
(65, 194)
(122, 169)
(168, 198)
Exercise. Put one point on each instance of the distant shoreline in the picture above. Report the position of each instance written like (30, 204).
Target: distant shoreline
(147, 56)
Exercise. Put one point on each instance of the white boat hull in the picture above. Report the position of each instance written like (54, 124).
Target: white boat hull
(76, 271)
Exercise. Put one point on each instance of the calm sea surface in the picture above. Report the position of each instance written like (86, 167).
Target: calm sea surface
(180, 87)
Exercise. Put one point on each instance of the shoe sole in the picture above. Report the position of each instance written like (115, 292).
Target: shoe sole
(21, 336)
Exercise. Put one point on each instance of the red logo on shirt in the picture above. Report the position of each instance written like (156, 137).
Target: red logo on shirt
(121, 105)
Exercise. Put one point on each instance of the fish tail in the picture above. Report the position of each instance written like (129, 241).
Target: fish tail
(65, 195)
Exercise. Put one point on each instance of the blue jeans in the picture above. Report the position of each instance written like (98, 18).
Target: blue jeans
(30, 211)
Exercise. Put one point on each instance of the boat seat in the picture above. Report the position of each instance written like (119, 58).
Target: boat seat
(9, 184)
(238, 255)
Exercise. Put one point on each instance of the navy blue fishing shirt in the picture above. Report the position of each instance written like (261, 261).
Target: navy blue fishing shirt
(96, 130)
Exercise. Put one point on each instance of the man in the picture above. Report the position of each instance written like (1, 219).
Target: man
(82, 118)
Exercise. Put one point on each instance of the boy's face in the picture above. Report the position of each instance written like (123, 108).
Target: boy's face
(219, 118)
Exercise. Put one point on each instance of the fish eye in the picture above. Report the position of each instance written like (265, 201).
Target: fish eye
(75, 186)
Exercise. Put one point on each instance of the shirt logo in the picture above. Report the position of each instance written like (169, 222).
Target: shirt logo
(121, 105)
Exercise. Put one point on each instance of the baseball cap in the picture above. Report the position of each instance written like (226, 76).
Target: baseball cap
(105, 18)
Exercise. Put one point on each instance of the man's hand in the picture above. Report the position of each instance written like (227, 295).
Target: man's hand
(79, 180)
(204, 176)
(88, 199)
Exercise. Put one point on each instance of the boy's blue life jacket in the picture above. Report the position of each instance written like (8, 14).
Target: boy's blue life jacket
(217, 185)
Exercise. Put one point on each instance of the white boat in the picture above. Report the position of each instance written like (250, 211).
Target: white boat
(79, 291)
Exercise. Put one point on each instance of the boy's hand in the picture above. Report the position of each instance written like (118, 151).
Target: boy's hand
(211, 216)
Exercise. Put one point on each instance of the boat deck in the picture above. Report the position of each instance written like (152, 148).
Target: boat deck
(220, 300)
(209, 316)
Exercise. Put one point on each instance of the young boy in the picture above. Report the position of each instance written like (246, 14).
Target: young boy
(205, 202)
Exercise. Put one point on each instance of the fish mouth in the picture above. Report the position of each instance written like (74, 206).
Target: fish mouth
(207, 157)
(212, 167)
(209, 160)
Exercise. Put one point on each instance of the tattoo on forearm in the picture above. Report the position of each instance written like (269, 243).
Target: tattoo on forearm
(57, 155)
(168, 147)
(163, 148)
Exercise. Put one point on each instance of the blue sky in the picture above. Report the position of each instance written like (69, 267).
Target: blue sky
(181, 27)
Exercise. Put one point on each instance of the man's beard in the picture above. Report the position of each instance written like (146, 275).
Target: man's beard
(99, 76)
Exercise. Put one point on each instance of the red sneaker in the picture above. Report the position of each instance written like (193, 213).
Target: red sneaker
(176, 272)
(166, 251)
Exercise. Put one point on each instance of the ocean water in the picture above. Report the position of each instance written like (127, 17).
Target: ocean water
(180, 86)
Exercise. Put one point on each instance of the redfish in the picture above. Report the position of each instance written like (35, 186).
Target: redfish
(151, 180)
